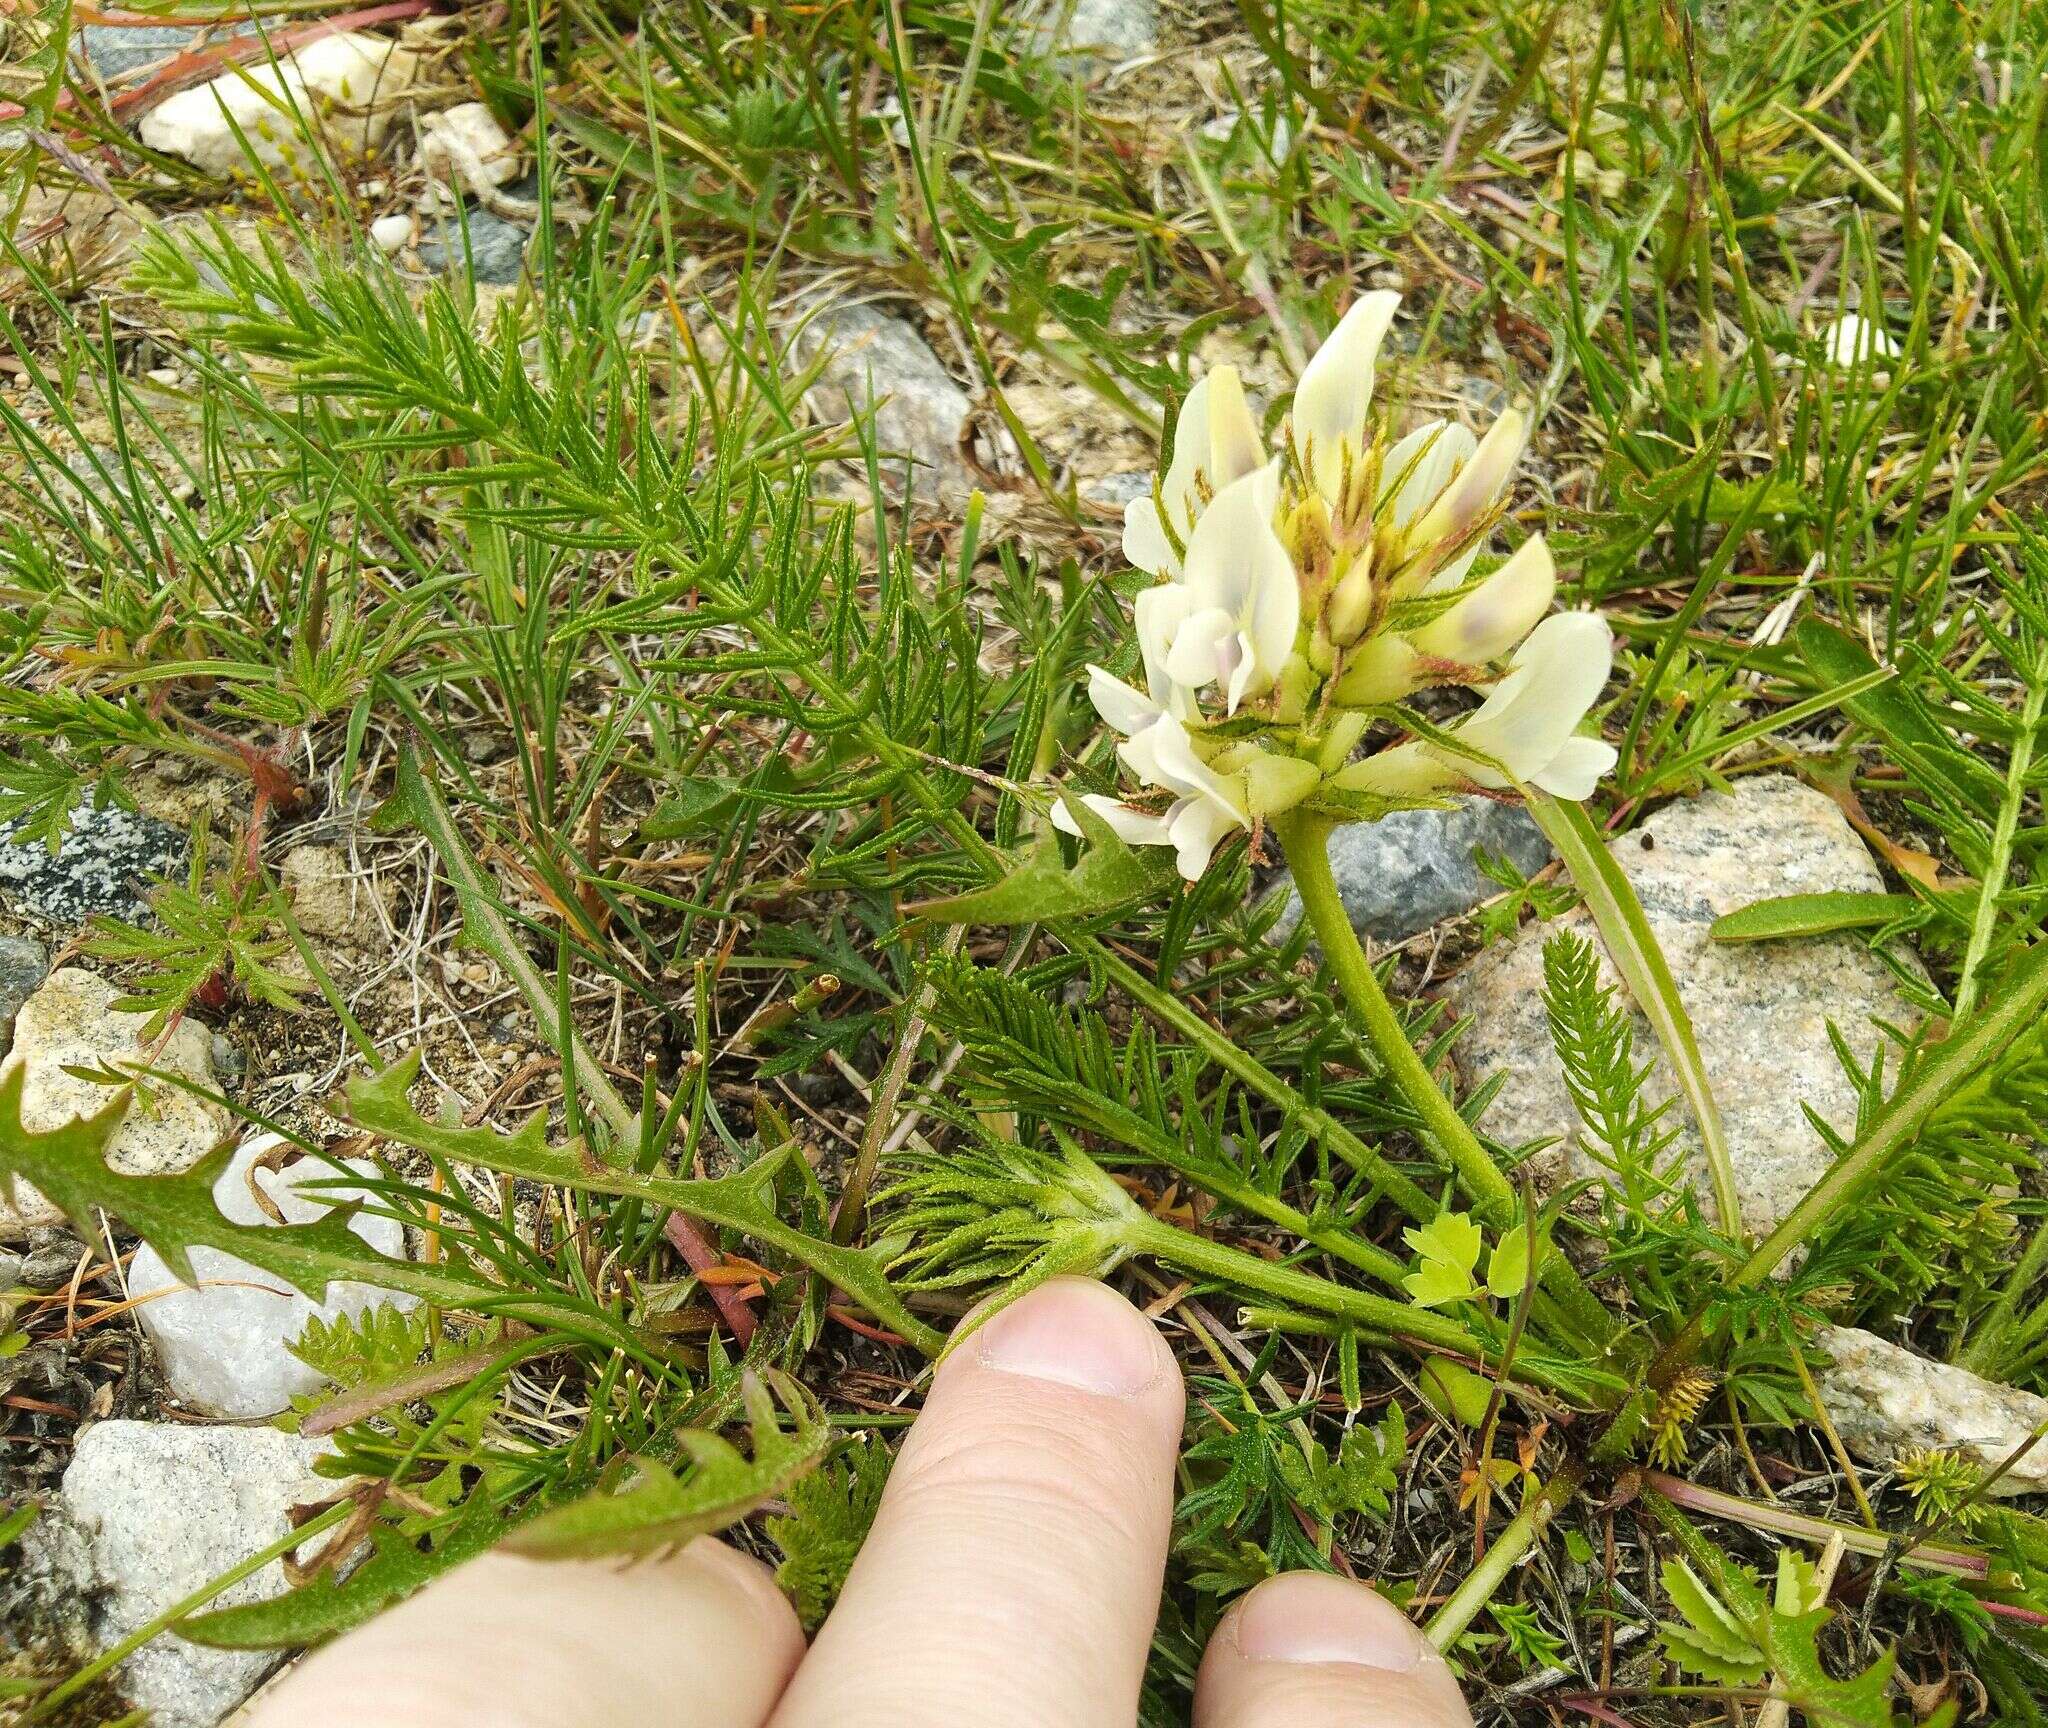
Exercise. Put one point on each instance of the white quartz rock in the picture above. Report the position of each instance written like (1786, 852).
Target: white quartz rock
(343, 88)
(225, 1344)
(70, 1022)
(1760, 1010)
(389, 234)
(466, 148)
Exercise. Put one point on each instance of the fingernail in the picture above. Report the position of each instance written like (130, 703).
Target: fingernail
(1314, 1617)
(1078, 1333)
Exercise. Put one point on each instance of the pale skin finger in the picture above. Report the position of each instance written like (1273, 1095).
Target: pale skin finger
(697, 1639)
(1013, 1574)
(1307, 1650)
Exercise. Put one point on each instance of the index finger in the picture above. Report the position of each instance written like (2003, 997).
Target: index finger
(1014, 1568)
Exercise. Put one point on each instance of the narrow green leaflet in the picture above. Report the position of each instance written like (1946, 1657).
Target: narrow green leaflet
(1811, 915)
(743, 1201)
(1041, 887)
(1898, 717)
(660, 1510)
(1632, 946)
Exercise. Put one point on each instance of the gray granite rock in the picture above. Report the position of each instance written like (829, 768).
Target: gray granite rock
(23, 965)
(113, 50)
(1887, 1403)
(879, 367)
(1400, 875)
(102, 866)
(497, 244)
(225, 1343)
(1760, 1010)
(70, 1025)
(1114, 491)
(163, 1509)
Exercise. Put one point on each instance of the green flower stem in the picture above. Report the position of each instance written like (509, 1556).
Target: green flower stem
(1305, 840)
(1448, 1623)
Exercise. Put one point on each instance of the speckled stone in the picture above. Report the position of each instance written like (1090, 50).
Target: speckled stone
(101, 866)
(115, 50)
(1888, 1403)
(1760, 1010)
(23, 966)
(1092, 30)
(1415, 868)
(163, 1509)
(333, 900)
(1114, 491)
(879, 370)
(71, 1023)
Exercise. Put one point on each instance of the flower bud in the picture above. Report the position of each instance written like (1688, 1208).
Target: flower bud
(1498, 614)
(1350, 607)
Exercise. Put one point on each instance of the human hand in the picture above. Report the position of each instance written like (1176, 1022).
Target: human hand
(1011, 1578)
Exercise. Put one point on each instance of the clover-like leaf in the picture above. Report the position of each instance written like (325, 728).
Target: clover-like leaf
(1507, 1271)
(1449, 1247)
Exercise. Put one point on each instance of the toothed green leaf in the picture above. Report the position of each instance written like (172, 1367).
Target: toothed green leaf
(660, 1510)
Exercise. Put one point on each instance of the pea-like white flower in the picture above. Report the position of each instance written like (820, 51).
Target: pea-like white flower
(1528, 723)
(1332, 416)
(1212, 800)
(1435, 546)
(1231, 620)
(1300, 596)
(1206, 805)
(1215, 442)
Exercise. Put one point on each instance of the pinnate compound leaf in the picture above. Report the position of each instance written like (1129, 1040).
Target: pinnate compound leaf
(743, 1201)
(329, 1605)
(1713, 1641)
(1507, 1270)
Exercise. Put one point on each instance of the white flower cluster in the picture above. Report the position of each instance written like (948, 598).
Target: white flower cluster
(1302, 594)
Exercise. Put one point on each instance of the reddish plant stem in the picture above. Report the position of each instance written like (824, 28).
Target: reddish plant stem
(701, 1255)
(206, 63)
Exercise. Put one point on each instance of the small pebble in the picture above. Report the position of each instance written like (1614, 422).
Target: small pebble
(50, 1267)
(164, 375)
(391, 233)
